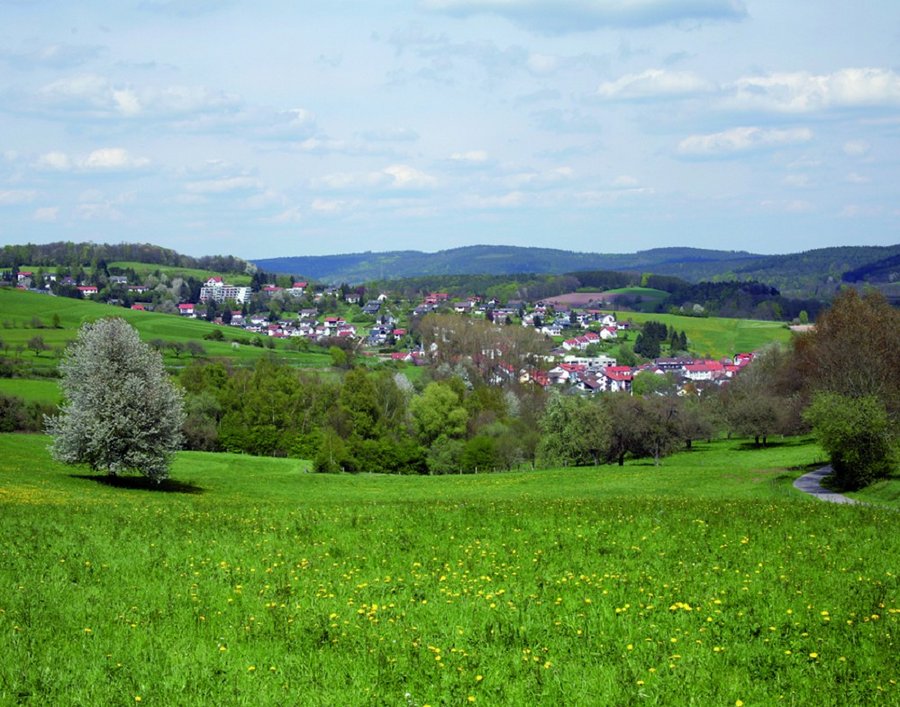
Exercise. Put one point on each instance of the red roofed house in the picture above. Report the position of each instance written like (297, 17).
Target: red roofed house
(186, 309)
(616, 379)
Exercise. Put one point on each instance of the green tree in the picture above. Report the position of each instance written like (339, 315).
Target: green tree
(438, 411)
(121, 411)
(858, 436)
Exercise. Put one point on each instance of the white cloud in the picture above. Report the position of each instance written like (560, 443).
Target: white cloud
(113, 158)
(224, 185)
(396, 176)
(536, 179)
(470, 157)
(856, 148)
(858, 211)
(46, 214)
(625, 181)
(798, 181)
(55, 160)
(406, 177)
(654, 83)
(563, 16)
(796, 206)
(329, 206)
(51, 56)
(291, 215)
(106, 158)
(741, 140)
(803, 92)
(854, 178)
(501, 201)
(17, 196)
(96, 97)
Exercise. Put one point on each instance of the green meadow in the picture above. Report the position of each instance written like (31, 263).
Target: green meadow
(146, 269)
(719, 336)
(32, 390)
(708, 580)
(18, 311)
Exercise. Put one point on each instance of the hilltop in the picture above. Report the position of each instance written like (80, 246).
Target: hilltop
(816, 273)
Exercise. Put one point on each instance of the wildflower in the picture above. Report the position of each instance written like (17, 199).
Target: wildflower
(813, 655)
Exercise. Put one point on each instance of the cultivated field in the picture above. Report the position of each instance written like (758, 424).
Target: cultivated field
(706, 581)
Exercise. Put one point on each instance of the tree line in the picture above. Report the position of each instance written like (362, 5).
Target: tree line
(842, 380)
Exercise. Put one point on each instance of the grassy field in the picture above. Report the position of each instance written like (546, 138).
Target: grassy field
(40, 391)
(145, 269)
(719, 336)
(18, 310)
(707, 581)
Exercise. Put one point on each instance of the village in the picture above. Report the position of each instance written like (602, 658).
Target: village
(580, 339)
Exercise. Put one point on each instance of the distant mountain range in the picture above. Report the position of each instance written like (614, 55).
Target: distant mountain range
(812, 273)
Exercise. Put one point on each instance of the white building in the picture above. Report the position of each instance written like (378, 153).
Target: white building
(215, 289)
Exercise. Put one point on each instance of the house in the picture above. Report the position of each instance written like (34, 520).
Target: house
(590, 384)
(372, 308)
(87, 290)
(186, 309)
(742, 359)
(297, 289)
(137, 306)
(609, 332)
(704, 371)
(616, 379)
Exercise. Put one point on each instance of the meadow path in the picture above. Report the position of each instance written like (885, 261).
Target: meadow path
(811, 483)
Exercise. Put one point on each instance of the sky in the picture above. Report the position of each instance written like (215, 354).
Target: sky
(288, 128)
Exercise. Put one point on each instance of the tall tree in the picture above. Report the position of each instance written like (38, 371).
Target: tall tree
(121, 411)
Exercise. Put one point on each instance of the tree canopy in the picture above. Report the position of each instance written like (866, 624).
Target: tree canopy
(121, 412)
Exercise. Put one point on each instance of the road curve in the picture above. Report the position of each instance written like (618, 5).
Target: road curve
(811, 483)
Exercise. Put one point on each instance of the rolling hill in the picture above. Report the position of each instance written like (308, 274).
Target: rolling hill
(815, 273)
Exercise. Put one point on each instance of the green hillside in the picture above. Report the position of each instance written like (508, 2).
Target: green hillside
(252, 581)
(718, 336)
(145, 269)
(24, 315)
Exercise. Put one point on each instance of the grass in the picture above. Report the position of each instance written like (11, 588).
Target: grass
(31, 390)
(19, 309)
(719, 336)
(145, 269)
(708, 580)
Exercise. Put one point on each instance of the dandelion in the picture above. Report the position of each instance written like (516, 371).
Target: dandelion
(738, 703)
(813, 655)
(251, 668)
(137, 698)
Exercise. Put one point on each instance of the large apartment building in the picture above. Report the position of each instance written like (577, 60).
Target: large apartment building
(215, 289)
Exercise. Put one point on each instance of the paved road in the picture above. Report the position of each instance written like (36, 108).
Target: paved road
(811, 483)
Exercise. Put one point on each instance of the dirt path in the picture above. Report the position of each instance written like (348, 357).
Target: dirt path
(811, 483)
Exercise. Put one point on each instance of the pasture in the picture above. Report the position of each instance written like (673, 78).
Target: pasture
(719, 336)
(21, 311)
(708, 581)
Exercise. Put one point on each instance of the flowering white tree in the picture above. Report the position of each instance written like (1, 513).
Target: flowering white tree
(121, 412)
